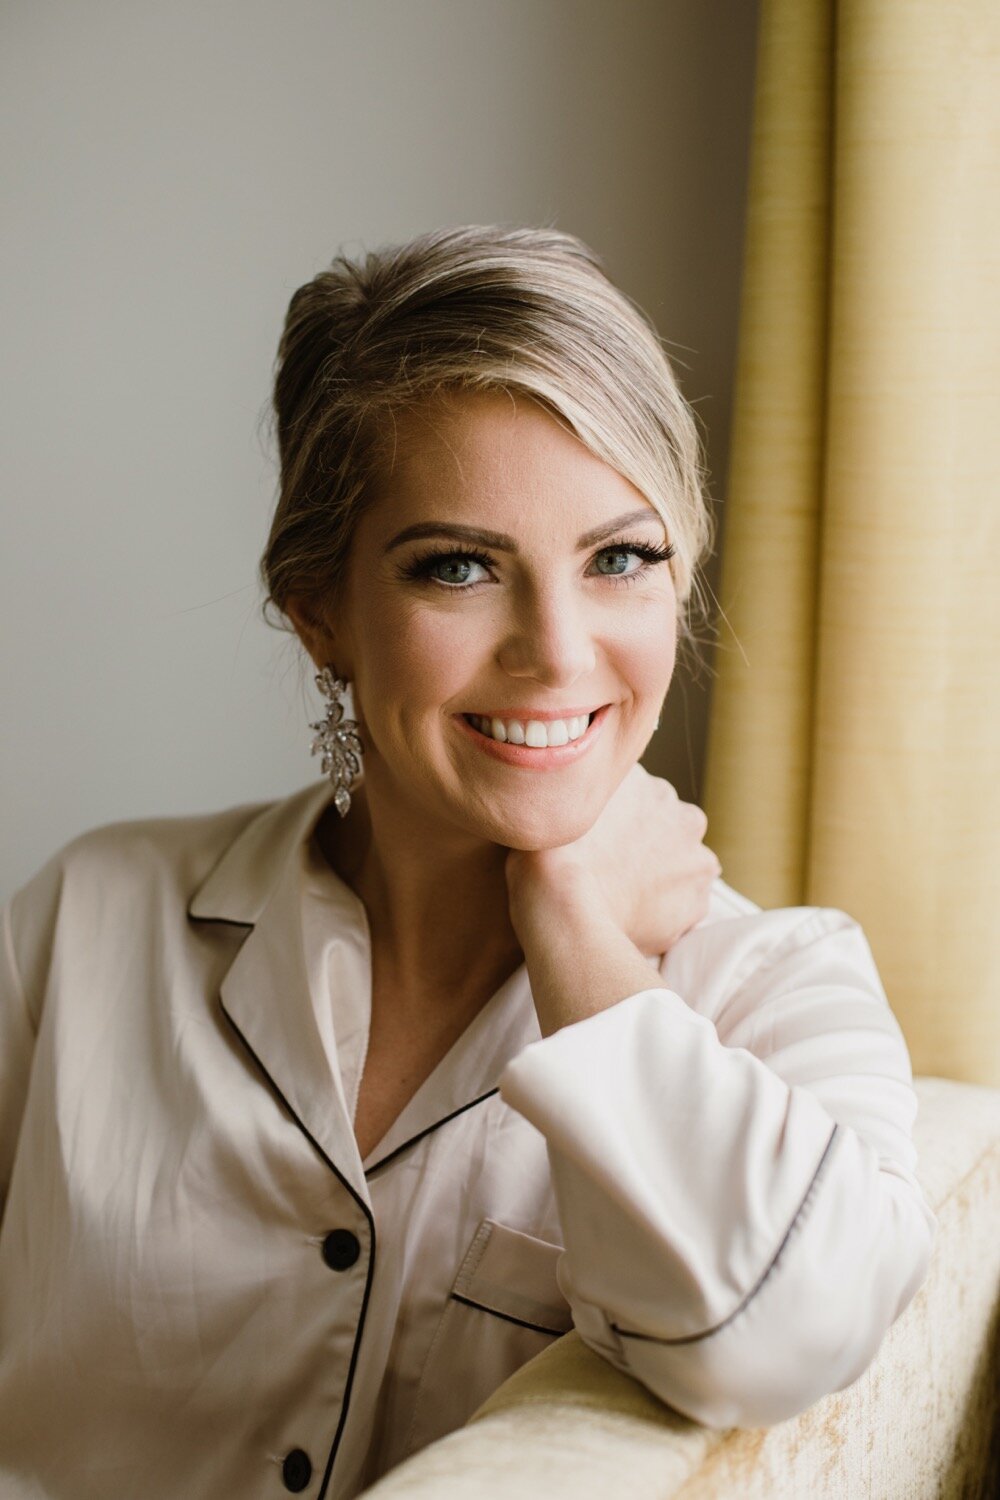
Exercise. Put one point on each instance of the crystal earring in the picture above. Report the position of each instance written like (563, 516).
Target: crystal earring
(337, 741)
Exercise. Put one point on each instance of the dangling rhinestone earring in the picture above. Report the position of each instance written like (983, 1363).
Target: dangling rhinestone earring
(337, 742)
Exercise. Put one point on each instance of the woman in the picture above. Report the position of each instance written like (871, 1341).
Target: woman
(323, 1117)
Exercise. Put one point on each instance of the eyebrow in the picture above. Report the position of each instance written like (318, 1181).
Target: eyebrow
(503, 543)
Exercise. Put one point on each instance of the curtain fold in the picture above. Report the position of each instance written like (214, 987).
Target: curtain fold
(853, 755)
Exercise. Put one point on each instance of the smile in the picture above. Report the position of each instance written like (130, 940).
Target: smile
(538, 733)
(534, 743)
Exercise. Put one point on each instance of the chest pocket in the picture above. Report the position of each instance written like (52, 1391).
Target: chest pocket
(513, 1276)
(504, 1307)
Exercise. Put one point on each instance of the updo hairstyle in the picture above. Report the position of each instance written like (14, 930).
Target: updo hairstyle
(522, 310)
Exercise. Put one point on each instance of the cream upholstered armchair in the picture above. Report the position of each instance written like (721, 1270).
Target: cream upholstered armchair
(922, 1422)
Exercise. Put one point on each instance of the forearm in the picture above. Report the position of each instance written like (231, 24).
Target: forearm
(578, 961)
(727, 1244)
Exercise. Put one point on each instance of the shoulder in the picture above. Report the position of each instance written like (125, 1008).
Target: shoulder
(113, 878)
(765, 935)
(178, 850)
(799, 988)
(741, 953)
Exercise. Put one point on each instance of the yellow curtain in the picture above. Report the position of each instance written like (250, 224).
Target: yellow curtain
(854, 741)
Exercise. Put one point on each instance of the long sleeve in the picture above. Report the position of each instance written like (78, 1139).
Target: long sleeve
(741, 1217)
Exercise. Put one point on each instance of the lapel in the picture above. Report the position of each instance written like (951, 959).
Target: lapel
(268, 998)
(266, 995)
(470, 1070)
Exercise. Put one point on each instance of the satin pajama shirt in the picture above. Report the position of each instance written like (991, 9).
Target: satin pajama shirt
(204, 1292)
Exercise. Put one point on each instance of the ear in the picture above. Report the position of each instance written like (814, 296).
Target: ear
(314, 632)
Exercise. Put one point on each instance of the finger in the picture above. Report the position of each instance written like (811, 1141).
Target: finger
(696, 817)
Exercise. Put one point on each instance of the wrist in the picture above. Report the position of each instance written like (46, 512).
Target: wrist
(579, 960)
(569, 900)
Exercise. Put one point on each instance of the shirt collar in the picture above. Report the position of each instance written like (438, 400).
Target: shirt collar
(258, 880)
(240, 885)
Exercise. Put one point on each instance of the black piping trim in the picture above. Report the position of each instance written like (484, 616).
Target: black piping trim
(348, 1384)
(695, 1338)
(427, 1131)
(507, 1317)
(223, 921)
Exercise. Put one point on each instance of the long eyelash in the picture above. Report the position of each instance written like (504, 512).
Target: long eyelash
(650, 554)
(420, 566)
(645, 550)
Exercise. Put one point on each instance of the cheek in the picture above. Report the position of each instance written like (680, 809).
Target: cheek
(647, 651)
(416, 658)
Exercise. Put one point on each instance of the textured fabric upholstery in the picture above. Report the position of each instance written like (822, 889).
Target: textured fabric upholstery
(923, 1421)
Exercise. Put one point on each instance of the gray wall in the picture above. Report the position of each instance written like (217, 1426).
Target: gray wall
(172, 173)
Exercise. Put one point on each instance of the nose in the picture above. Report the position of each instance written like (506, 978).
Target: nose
(549, 638)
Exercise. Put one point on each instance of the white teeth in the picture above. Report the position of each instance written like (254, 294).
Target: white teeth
(537, 734)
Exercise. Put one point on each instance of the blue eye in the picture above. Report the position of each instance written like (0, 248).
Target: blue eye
(437, 566)
(619, 575)
(465, 569)
(620, 554)
(442, 567)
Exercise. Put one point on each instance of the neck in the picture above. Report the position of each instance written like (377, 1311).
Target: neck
(436, 902)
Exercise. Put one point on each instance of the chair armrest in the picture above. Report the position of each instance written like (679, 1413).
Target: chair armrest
(923, 1419)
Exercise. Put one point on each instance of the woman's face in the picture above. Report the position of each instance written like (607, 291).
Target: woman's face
(496, 577)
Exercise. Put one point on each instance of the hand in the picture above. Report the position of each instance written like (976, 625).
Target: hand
(642, 864)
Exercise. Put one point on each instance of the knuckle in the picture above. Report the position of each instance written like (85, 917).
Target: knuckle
(696, 817)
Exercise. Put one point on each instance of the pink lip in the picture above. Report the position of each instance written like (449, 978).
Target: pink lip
(549, 759)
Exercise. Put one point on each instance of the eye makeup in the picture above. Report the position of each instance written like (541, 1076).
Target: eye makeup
(420, 568)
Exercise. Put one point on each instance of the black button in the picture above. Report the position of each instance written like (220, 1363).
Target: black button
(341, 1249)
(296, 1471)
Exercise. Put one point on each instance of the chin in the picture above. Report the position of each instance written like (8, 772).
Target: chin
(541, 831)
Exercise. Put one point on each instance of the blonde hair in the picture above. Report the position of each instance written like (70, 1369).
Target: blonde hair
(523, 310)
